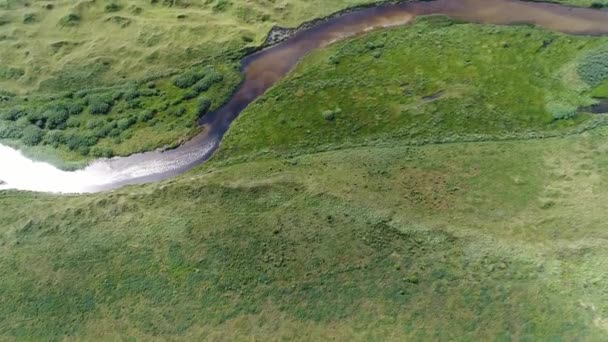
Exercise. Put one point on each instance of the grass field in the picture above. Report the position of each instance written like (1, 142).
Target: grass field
(433, 80)
(492, 241)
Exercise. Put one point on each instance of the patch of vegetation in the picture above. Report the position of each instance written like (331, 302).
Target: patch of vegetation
(70, 20)
(437, 80)
(116, 120)
(593, 67)
(446, 237)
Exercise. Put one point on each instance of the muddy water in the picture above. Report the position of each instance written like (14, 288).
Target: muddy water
(263, 69)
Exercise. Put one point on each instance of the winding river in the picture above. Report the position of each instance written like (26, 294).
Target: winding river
(263, 69)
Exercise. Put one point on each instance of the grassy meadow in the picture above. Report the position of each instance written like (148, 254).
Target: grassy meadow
(390, 188)
(466, 241)
(434, 80)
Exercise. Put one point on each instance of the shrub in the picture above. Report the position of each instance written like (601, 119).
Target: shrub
(148, 92)
(101, 132)
(69, 20)
(208, 81)
(100, 108)
(54, 138)
(102, 152)
(37, 118)
(9, 131)
(131, 94)
(221, 5)
(593, 68)
(203, 106)
(113, 7)
(32, 135)
(188, 78)
(189, 95)
(179, 111)
(561, 111)
(29, 18)
(73, 108)
(134, 104)
(101, 104)
(330, 115)
(94, 123)
(56, 119)
(13, 114)
(125, 123)
(78, 141)
(147, 115)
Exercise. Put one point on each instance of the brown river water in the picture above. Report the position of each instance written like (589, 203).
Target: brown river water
(263, 69)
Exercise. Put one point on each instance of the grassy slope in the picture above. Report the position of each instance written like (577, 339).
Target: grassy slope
(429, 81)
(152, 40)
(470, 241)
(478, 241)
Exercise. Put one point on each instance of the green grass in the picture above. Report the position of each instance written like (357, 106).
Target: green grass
(433, 80)
(470, 241)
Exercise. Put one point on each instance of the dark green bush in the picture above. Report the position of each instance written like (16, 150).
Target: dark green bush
(73, 108)
(94, 123)
(9, 130)
(134, 104)
(125, 123)
(593, 68)
(208, 81)
(113, 7)
(101, 103)
(30, 18)
(69, 20)
(102, 131)
(179, 111)
(37, 118)
(131, 94)
(13, 114)
(102, 152)
(78, 141)
(188, 78)
(100, 108)
(203, 106)
(189, 95)
(147, 115)
(54, 138)
(148, 92)
(32, 135)
(56, 119)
